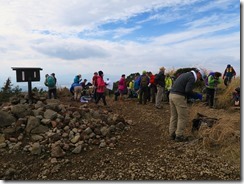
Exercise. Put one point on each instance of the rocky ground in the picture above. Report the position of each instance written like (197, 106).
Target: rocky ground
(131, 143)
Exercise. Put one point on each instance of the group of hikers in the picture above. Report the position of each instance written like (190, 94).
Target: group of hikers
(148, 87)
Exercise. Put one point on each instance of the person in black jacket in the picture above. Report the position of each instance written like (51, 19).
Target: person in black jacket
(160, 82)
(180, 91)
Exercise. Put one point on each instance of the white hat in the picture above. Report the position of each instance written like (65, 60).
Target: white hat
(202, 73)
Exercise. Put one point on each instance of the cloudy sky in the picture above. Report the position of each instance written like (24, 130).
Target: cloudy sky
(69, 37)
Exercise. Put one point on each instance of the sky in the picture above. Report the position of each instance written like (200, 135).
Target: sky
(70, 37)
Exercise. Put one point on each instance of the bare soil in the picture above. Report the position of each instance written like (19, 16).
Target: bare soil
(143, 152)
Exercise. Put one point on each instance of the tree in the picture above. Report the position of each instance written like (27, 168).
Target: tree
(7, 91)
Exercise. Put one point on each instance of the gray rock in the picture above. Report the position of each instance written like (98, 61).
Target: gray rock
(104, 131)
(77, 149)
(57, 152)
(32, 123)
(76, 114)
(39, 104)
(39, 129)
(6, 119)
(50, 114)
(36, 137)
(21, 110)
(36, 149)
(120, 126)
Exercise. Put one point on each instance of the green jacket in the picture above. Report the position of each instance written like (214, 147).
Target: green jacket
(212, 82)
(168, 83)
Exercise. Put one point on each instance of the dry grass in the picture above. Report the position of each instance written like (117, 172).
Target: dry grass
(224, 94)
(63, 92)
(224, 137)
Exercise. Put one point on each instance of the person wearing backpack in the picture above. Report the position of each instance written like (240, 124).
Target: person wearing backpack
(50, 82)
(211, 83)
(160, 82)
(143, 81)
(229, 73)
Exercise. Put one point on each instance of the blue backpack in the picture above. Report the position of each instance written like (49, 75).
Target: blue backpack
(50, 81)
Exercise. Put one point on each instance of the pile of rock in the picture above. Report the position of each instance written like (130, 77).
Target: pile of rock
(57, 129)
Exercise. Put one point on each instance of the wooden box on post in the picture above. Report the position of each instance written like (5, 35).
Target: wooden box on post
(27, 75)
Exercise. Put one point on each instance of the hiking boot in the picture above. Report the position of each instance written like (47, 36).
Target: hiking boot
(181, 138)
(172, 136)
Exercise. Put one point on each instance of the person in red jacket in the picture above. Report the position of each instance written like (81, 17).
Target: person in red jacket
(101, 86)
(152, 87)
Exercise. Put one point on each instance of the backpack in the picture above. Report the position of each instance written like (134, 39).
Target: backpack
(144, 81)
(206, 79)
(50, 81)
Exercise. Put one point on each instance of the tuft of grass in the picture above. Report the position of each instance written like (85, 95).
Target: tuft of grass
(224, 94)
(63, 92)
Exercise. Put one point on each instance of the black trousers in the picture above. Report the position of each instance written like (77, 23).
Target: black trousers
(100, 96)
(143, 95)
(52, 92)
(210, 96)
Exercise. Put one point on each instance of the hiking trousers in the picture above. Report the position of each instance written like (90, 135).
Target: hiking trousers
(179, 114)
(52, 92)
(101, 96)
(77, 92)
(159, 96)
(210, 96)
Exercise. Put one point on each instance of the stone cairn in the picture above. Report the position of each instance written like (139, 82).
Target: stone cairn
(48, 126)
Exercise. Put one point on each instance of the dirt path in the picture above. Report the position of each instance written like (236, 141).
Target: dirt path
(143, 152)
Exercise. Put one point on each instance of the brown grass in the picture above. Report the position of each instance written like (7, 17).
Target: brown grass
(224, 137)
(224, 94)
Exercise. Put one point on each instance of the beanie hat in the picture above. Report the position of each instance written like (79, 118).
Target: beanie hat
(144, 72)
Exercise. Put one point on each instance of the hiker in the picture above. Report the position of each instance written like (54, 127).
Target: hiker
(77, 91)
(122, 87)
(211, 82)
(109, 86)
(76, 82)
(137, 84)
(101, 86)
(152, 87)
(168, 85)
(131, 89)
(160, 82)
(181, 89)
(94, 83)
(144, 82)
(77, 78)
(84, 87)
(229, 73)
(50, 82)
